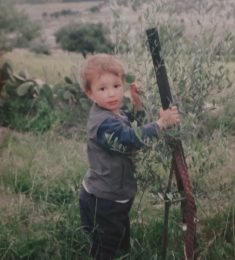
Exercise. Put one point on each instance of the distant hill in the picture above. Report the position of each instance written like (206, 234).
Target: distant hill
(50, 1)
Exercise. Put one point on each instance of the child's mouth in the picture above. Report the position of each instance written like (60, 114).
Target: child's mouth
(112, 103)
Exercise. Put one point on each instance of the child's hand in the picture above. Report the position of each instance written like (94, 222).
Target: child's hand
(169, 117)
(135, 91)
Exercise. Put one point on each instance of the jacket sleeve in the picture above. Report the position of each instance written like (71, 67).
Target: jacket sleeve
(112, 134)
(138, 116)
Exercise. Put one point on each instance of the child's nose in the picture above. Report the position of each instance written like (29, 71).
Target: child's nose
(111, 92)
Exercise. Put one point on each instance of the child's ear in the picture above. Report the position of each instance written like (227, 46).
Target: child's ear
(89, 94)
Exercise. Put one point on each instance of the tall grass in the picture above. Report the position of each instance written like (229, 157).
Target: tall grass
(50, 69)
(40, 178)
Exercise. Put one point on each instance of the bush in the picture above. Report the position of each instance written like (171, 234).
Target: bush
(73, 106)
(28, 104)
(16, 28)
(87, 38)
(95, 9)
(40, 47)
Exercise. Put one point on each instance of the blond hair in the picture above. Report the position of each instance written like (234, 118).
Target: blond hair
(98, 64)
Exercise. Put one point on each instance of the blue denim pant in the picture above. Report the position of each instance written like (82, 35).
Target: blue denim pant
(108, 224)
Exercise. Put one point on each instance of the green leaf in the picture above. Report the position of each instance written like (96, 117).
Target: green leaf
(24, 74)
(85, 103)
(67, 95)
(19, 78)
(169, 196)
(7, 71)
(68, 80)
(46, 91)
(24, 88)
(2, 102)
(161, 196)
(129, 78)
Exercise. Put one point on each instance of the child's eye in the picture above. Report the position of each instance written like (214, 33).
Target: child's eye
(116, 86)
(101, 89)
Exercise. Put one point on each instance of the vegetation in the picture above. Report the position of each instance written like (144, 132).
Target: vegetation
(34, 1)
(32, 105)
(39, 46)
(49, 68)
(86, 38)
(64, 12)
(41, 220)
(16, 28)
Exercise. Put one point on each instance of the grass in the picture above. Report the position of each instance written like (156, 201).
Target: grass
(47, 68)
(39, 180)
(40, 177)
(231, 67)
(36, 163)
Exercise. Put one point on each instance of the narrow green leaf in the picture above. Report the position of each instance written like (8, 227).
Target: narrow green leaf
(68, 80)
(24, 88)
(129, 78)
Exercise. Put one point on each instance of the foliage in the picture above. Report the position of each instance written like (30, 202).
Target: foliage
(42, 175)
(16, 28)
(33, 105)
(219, 233)
(226, 118)
(94, 9)
(194, 74)
(86, 38)
(26, 103)
(37, 1)
(64, 12)
(42, 220)
(39, 46)
(197, 75)
(67, 1)
(73, 105)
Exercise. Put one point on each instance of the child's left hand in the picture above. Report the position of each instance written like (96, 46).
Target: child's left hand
(169, 117)
(135, 91)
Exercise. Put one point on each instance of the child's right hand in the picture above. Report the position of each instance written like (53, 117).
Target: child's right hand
(169, 117)
(135, 91)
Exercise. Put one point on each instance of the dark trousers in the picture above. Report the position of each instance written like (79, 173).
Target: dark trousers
(108, 224)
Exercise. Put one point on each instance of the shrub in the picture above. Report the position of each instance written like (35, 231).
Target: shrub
(64, 12)
(87, 38)
(72, 104)
(95, 9)
(26, 103)
(39, 46)
(32, 105)
(16, 28)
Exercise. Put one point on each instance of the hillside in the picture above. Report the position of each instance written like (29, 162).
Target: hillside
(192, 14)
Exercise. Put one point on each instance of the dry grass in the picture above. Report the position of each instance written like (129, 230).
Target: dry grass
(48, 68)
(35, 11)
(195, 20)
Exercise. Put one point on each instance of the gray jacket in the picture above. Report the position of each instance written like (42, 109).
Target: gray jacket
(110, 175)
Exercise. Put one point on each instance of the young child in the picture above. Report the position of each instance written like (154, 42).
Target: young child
(109, 186)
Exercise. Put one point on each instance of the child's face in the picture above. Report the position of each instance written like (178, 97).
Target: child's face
(107, 91)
